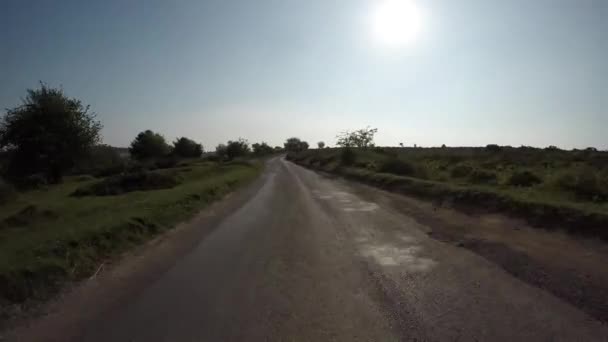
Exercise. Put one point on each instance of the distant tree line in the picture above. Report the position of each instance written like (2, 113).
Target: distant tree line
(150, 145)
(50, 135)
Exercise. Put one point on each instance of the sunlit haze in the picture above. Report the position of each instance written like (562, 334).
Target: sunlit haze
(425, 72)
(397, 22)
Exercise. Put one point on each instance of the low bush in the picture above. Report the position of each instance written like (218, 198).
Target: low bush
(387, 151)
(100, 159)
(27, 216)
(128, 182)
(166, 163)
(323, 161)
(493, 148)
(584, 183)
(524, 178)
(213, 158)
(110, 170)
(187, 148)
(371, 165)
(348, 156)
(31, 182)
(7, 192)
(461, 170)
(483, 177)
(398, 167)
(603, 182)
(84, 178)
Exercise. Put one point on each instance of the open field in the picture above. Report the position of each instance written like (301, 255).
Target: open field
(549, 187)
(48, 236)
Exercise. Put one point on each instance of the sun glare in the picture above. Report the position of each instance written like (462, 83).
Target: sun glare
(396, 22)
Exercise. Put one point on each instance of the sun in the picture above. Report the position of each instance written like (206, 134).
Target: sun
(396, 22)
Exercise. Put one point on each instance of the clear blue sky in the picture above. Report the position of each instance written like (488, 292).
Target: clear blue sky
(480, 71)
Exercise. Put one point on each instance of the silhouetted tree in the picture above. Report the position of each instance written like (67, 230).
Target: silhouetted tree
(99, 159)
(237, 148)
(221, 151)
(187, 148)
(148, 145)
(261, 149)
(360, 138)
(295, 145)
(493, 148)
(321, 144)
(47, 134)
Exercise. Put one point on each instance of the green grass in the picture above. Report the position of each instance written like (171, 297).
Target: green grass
(82, 231)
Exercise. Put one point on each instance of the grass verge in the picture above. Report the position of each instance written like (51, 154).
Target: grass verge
(538, 211)
(66, 237)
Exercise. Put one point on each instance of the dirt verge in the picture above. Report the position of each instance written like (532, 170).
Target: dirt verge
(569, 266)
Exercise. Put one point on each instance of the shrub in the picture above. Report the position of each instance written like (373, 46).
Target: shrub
(371, 165)
(128, 182)
(583, 182)
(27, 216)
(461, 170)
(324, 160)
(166, 163)
(237, 148)
(386, 151)
(524, 178)
(84, 178)
(7, 192)
(348, 157)
(148, 145)
(187, 148)
(262, 149)
(221, 152)
(47, 134)
(213, 158)
(398, 167)
(31, 182)
(361, 138)
(101, 157)
(493, 148)
(295, 145)
(483, 177)
(603, 182)
(111, 170)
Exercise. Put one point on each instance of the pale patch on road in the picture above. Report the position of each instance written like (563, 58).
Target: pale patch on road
(393, 255)
(403, 252)
(351, 203)
(362, 206)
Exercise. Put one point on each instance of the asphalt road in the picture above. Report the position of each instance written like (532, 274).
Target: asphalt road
(308, 259)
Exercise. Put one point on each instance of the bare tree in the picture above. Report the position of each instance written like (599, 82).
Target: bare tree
(360, 138)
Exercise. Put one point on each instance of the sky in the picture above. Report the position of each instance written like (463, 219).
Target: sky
(515, 72)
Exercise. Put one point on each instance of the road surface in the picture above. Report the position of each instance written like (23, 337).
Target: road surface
(308, 259)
